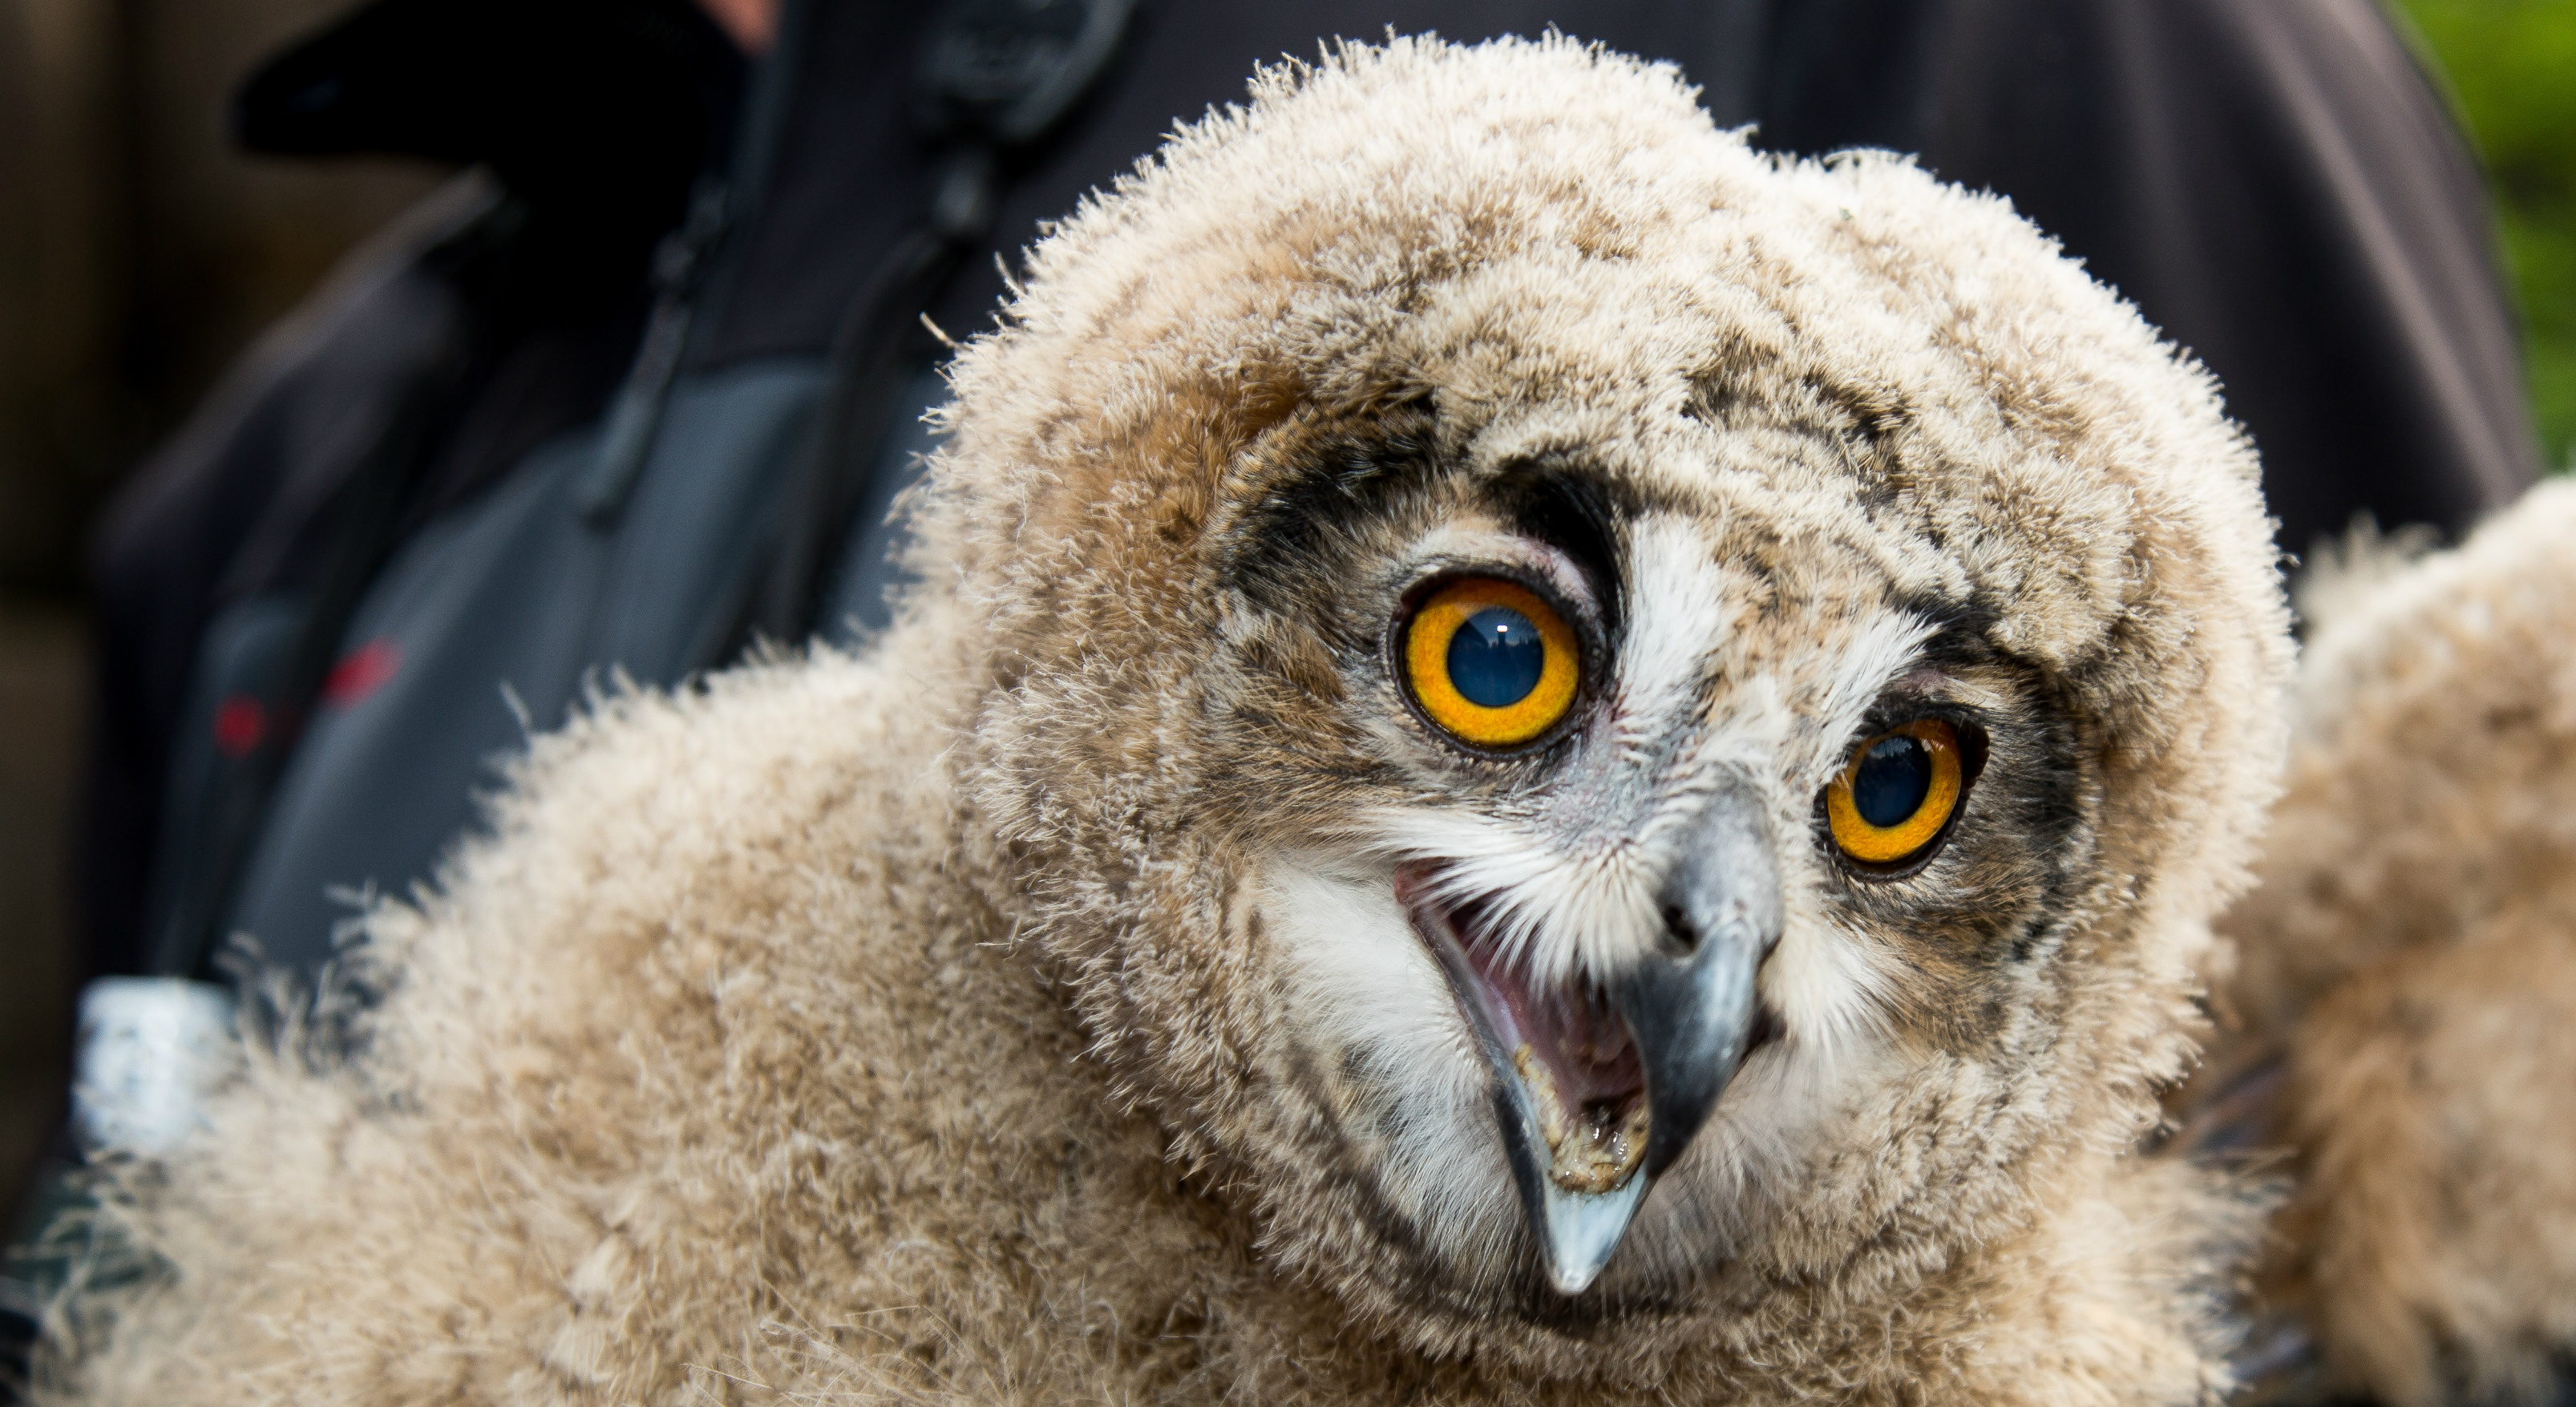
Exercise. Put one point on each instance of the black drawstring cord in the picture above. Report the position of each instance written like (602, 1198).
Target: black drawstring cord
(871, 368)
(998, 76)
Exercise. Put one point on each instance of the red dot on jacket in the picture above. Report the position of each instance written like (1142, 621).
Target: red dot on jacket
(361, 672)
(240, 720)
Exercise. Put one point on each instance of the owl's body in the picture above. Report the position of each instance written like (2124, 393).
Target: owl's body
(769, 1107)
(1090, 993)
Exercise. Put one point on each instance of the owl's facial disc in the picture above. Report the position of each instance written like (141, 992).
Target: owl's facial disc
(1599, 1083)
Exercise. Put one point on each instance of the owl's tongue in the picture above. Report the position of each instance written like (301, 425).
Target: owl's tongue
(1574, 1056)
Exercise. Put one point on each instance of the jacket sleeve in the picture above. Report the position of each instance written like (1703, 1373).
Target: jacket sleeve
(241, 485)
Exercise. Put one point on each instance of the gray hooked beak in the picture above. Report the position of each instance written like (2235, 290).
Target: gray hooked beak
(1688, 1010)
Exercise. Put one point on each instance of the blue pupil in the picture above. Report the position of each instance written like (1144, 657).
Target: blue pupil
(1893, 778)
(1496, 657)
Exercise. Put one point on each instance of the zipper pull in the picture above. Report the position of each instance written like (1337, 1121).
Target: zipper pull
(679, 266)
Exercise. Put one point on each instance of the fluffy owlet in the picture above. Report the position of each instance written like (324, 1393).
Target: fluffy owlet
(1538, 759)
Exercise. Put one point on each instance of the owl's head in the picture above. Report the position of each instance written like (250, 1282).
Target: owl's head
(1600, 725)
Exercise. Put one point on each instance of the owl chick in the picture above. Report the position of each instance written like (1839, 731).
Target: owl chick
(2405, 984)
(1540, 760)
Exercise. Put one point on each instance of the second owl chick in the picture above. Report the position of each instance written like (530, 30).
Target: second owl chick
(2407, 978)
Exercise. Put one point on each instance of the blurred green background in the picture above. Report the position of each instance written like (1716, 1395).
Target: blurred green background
(2512, 64)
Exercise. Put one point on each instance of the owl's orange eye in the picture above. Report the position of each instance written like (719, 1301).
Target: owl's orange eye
(1491, 662)
(1898, 791)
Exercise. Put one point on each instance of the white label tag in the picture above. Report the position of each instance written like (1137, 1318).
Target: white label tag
(150, 1050)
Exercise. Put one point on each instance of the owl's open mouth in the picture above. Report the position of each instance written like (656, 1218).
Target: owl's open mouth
(1567, 1046)
(1599, 1083)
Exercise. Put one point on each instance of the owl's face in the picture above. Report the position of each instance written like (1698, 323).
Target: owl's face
(1607, 733)
(1633, 847)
